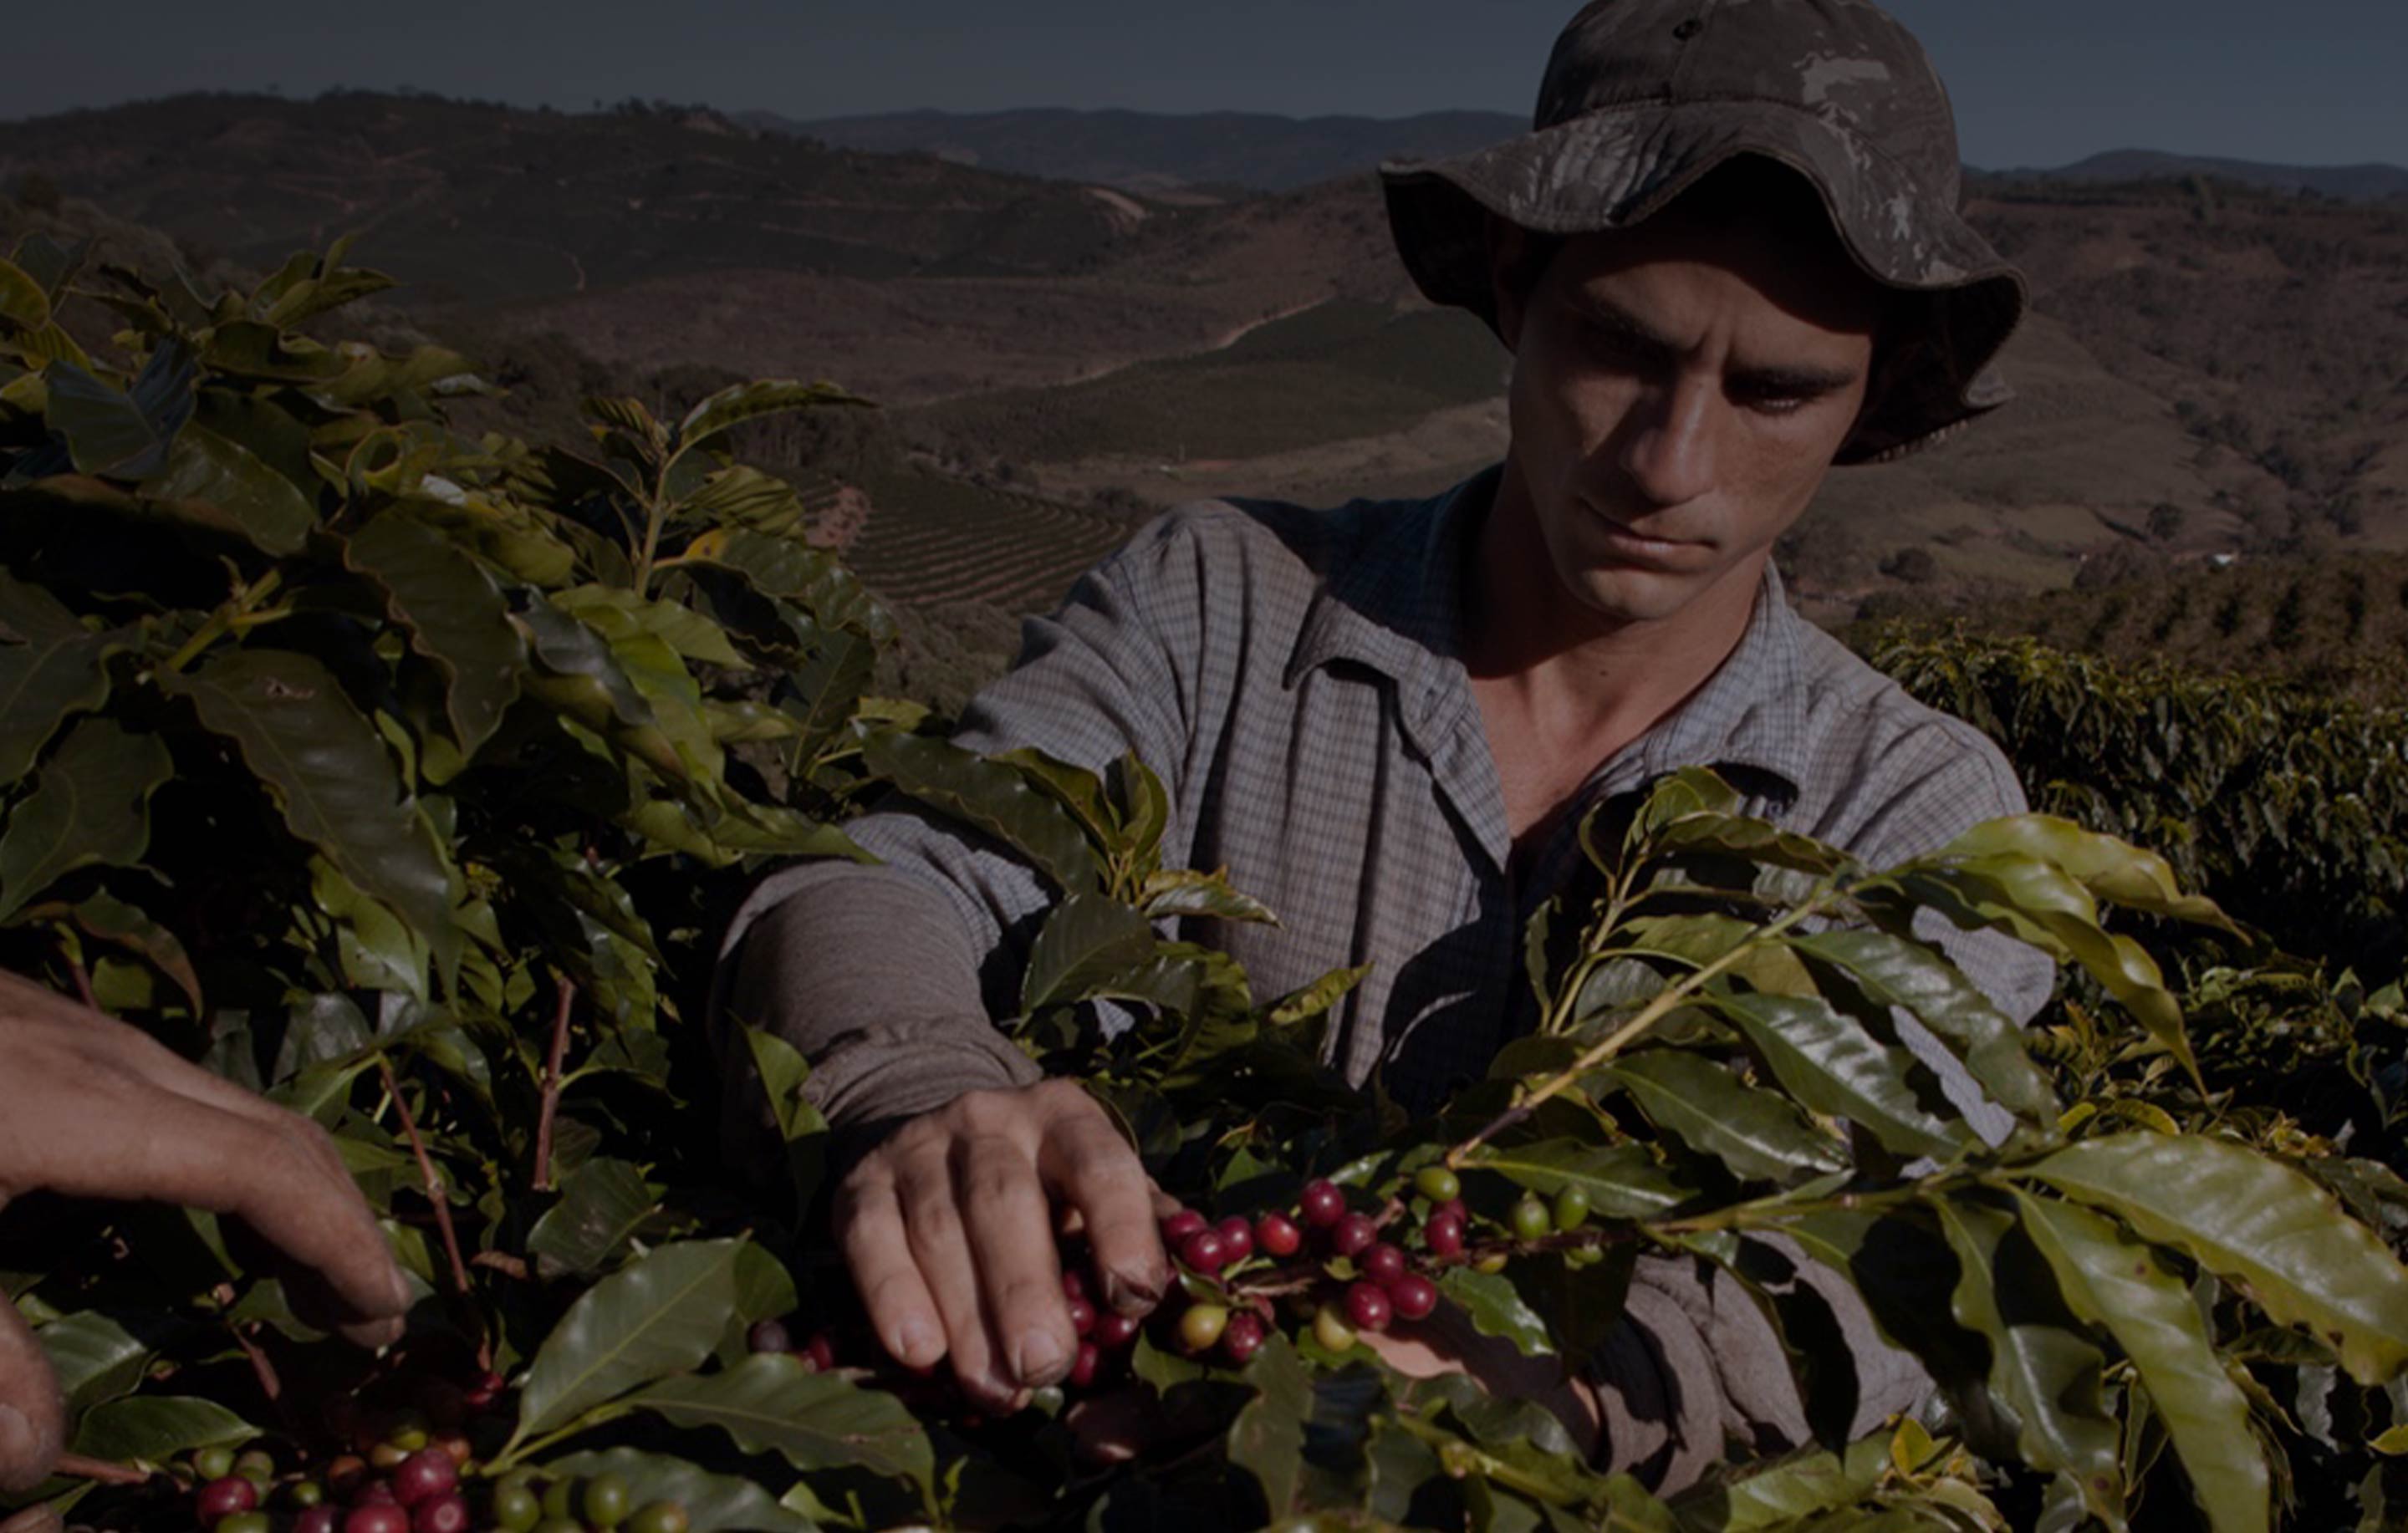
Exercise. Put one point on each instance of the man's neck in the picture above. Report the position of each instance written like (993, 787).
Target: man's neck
(1580, 681)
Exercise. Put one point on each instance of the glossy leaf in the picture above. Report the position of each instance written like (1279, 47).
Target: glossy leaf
(734, 406)
(94, 1358)
(89, 807)
(50, 668)
(1498, 1309)
(127, 436)
(2257, 1222)
(455, 616)
(1897, 972)
(1085, 942)
(770, 1403)
(152, 1429)
(330, 776)
(223, 474)
(657, 1316)
(2044, 1367)
(2110, 868)
(1831, 1064)
(1756, 1133)
(1621, 1182)
(1266, 1440)
(2123, 1286)
(602, 1203)
(992, 797)
(1184, 892)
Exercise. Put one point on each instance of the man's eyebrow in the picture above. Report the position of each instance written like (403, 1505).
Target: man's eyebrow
(1774, 381)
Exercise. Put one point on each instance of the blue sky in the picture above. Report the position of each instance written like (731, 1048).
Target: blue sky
(2037, 82)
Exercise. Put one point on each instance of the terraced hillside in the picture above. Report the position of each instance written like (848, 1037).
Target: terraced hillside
(933, 540)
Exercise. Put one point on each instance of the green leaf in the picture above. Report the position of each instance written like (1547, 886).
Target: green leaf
(2044, 1367)
(152, 1429)
(1832, 1066)
(1623, 1181)
(616, 612)
(1756, 1133)
(1897, 972)
(455, 616)
(2125, 1287)
(1267, 1440)
(329, 775)
(602, 1204)
(1087, 940)
(1184, 892)
(94, 1358)
(220, 472)
(2111, 869)
(23, 303)
(733, 405)
(1498, 1309)
(1304, 1004)
(54, 670)
(122, 435)
(714, 1503)
(992, 797)
(659, 1315)
(741, 497)
(770, 1403)
(89, 807)
(1782, 1493)
(2248, 1218)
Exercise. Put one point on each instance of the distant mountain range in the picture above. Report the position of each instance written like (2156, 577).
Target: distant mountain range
(1159, 151)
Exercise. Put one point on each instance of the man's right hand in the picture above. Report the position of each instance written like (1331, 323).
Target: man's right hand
(948, 1227)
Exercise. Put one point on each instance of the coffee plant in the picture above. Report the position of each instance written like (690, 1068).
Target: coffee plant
(409, 779)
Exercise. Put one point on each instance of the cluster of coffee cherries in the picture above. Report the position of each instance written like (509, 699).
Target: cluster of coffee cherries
(408, 1480)
(818, 1353)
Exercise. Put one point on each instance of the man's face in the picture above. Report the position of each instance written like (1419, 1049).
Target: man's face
(1679, 392)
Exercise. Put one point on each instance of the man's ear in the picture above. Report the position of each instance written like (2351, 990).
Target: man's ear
(1509, 276)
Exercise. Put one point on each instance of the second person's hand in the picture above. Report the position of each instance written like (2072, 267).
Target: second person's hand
(948, 1226)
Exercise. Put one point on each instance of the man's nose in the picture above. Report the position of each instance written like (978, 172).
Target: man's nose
(1669, 453)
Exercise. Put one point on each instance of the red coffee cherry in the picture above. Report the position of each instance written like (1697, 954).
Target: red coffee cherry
(375, 1493)
(1242, 1337)
(1383, 1263)
(381, 1518)
(768, 1335)
(1443, 1236)
(1237, 1238)
(1276, 1234)
(226, 1497)
(1323, 1204)
(445, 1513)
(1082, 1366)
(1368, 1307)
(820, 1352)
(1074, 1284)
(1179, 1225)
(318, 1519)
(1455, 1209)
(1352, 1235)
(485, 1391)
(424, 1474)
(1083, 1317)
(1413, 1295)
(1115, 1331)
(1205, 1250)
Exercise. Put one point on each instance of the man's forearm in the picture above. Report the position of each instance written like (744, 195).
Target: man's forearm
(867, 974)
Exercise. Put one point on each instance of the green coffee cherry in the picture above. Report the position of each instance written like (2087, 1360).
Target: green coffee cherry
(516, 1508)
(1571, 1207)
(606, 1500)
(1532, 1221)
(658, 1517)
(1438, 1184)
(559, 1500)
(212, 1462)
(244, 1522)
(305, 1494)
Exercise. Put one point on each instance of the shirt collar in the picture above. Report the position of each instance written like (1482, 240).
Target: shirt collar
(1393, 605)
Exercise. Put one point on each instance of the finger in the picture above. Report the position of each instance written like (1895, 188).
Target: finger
(168, 1146)
(1011, 1245)
(932, 1221)
(32, 1420)
(38, 1518)
(878, 1251)
(1086, 1162)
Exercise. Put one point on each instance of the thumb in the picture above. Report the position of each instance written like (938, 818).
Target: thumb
(32, 1417)
(38, 1518)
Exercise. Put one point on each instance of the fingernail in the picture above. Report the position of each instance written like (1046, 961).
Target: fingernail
(1132, 1298)
(1039, 1355)
(912, 1343)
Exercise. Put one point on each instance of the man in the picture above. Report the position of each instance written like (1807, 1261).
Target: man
(1728, 258)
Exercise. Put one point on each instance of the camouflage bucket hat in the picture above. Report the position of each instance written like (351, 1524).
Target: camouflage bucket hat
(1643, 98)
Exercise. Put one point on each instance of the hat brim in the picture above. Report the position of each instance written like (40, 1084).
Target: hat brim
(1616, 168)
